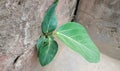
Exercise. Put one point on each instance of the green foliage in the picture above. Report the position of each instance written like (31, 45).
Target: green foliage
(46, 45)
(49, 23)
(72, 34)
(75, 36)
(47, 51)
(39, 43)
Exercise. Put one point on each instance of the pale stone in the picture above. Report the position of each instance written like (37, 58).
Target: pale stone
(20, 22)
(102, 20)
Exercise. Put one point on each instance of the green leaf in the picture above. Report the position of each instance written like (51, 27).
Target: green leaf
(56, 1)
(75, 36)
(49, 23)
(39, 43)
(47, 51)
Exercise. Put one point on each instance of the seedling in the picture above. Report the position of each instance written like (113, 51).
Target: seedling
(73, 34)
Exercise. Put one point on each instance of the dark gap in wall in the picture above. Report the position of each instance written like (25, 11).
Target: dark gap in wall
(16, 59)
(119, 47)
(76, 9)
(19, 3)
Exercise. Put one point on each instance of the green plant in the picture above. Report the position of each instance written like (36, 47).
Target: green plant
(72, 34)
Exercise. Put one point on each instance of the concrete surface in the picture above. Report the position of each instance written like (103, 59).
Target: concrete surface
(20, 28)
(20, 22)
(102, 20)
(68, 60)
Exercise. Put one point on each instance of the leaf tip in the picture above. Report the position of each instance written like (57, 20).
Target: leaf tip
(96, 60)
(56, 1)
(43, 64)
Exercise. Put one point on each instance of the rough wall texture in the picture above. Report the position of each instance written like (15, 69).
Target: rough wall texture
(20, 28)
(67, 60)
(102, 19)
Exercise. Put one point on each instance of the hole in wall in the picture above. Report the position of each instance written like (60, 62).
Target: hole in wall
(19, 3)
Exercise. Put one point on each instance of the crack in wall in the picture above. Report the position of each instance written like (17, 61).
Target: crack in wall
(17, 59)
(76, 9)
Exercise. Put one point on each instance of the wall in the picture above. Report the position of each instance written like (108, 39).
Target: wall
(20, 22)
(102, 20)
(88, 14)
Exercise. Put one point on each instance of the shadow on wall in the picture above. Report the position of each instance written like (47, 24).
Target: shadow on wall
(102, 20)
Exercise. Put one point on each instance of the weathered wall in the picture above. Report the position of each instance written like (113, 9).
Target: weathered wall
(20, 28)
(102, 19)
(88, 14)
